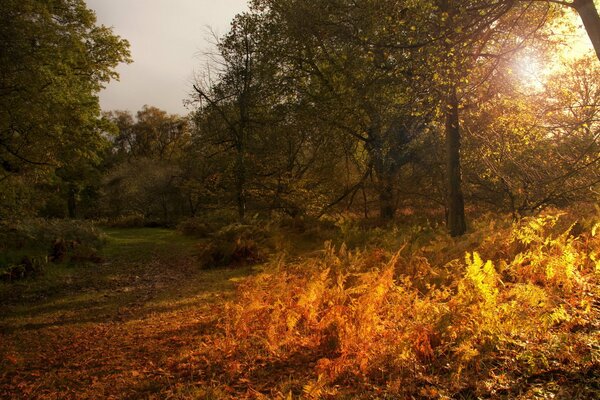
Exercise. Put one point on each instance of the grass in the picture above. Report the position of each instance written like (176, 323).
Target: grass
(143, 244)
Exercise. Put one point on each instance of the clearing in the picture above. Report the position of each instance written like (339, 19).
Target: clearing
(109, 330)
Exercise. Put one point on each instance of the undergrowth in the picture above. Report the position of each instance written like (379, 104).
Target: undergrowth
(425, 317)
(28, 245)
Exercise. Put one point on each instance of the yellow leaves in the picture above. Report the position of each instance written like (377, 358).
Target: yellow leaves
(595, 257)
(518, 290)
(557, 316)
(466, 352)
(535, 229)
(309, 300)
(314, 389)
(292, 320)
(483, 276)
(595, 229)
(527, 295)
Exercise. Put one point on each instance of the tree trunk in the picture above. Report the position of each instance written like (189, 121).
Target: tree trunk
(165, 208)
(387, 201)
(192, 205)
(72, 201)
(384, 180)
(240, 185)
(456, 206)
(365, 204)
(591, 21)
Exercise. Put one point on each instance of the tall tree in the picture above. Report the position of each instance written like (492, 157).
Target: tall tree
(466, 40)
(153, 133)
(54, 59)
(231, 97)
(354, 65)
(587, 11)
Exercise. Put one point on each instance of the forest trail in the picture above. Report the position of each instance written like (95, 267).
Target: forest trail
(110, 330)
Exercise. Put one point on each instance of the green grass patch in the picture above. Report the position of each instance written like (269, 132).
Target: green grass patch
(140, 244)
(144, 270)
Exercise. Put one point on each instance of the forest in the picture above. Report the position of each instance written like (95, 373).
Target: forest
(369, 199)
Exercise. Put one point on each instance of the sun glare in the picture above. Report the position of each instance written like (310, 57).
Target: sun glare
(530, 71)
(573, 44)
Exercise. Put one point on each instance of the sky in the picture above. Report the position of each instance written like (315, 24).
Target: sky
(167, 39)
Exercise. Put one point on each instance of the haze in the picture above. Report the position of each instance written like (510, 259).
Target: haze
(167, 40)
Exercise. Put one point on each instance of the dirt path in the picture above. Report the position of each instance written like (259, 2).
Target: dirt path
(111, 330)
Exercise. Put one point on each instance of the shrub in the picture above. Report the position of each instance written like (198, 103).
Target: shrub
(125, 221)
(195, 227)
(398, 324)
(27, 267)
(234, 244)
(55, 240)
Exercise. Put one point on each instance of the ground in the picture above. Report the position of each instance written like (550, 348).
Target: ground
(134, 326)
(109, 330)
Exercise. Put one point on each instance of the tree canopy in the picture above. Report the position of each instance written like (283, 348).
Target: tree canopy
(54, 60)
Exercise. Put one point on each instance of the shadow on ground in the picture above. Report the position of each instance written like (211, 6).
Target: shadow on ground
(92, 331)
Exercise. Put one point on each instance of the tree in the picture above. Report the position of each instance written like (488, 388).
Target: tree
(145, 165)
(529, 146)
(374, 81)
(352, 65)
(587, 11)
(54, 59)
(231, 97)
(465, 41)
(591, 21)
(153, 133)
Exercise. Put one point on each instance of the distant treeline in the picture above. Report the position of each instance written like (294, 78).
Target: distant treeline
(304, 109)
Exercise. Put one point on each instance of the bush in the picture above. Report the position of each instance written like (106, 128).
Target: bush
(25, 243)
(27, 267)
(195, 227)
(399, 325)
(234, 245)
(125, 221)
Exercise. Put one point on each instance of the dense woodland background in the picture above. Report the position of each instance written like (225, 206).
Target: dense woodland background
(311, 109)
(417, 139)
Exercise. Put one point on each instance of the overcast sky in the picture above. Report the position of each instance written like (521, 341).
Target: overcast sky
(167, 38)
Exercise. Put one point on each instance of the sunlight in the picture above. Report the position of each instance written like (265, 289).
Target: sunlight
(576, 42)
(573, 43)
(530, 71)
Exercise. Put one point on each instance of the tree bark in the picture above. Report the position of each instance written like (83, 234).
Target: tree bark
(456, 206)
(240, 184)
(72, 201)
(384, 179)
(591, 21)
(387, 201)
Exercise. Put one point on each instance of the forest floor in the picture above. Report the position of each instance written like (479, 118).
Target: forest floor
(123, 328)
(109, 330)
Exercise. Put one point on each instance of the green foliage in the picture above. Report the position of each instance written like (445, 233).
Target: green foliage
(144, 187)
(29, 241)
(54, 60)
